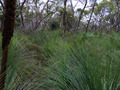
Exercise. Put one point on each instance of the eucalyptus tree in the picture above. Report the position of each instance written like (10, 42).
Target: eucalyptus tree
(21, 6)
(7, 33)
(117, 23)
(66, 13)
(81, 14)
(92, 11)
(36, 12)
(49, 9)
(107, 13)
(64, 18)
(102, 12)
(73, 12)
(1, 12)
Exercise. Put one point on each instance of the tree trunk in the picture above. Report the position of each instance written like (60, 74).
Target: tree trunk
(80, 16)
(21, 13)
(73, 22)
(40, 16)
(72, 8)
(91, 15)
(64, 17)
(2, 13)
(118, 16)
(7, 33)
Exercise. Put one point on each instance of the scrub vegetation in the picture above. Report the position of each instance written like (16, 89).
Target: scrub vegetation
(58, 45)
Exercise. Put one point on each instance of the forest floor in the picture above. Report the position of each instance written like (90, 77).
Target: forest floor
(48, 61)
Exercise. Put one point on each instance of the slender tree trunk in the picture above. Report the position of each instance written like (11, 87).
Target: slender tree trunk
(21, 13)
(73, 22)
(80, 16)
(91, 15)
(2, 16)
(7, 33)
(1, 24)
(22, 20)
(40, 15)
(118, 16)
(72, 8)
(64, 17)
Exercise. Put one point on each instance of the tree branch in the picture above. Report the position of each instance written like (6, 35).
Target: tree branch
(2, 4)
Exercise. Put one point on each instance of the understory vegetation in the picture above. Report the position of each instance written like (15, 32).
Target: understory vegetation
(49, 61)
(59, 44)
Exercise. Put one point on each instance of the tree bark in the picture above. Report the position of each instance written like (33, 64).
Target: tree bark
(40, 16)
(21, 13)
(73, 22)
(72, 8)
(7, 33)
(80, 16)
(91, 15)
(64, 17)
(2, 16)
(118, 16)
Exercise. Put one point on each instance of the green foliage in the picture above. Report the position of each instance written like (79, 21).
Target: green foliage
(15, 57)
(105, 5)
(86, 12)
(47, 61)
(22, 63)
(79, 10)
(82, 62)
(69, 17)
(54, 25)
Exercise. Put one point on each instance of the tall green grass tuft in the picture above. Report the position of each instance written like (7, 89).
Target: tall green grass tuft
(21, 65)
(83, 62)
(48, 61)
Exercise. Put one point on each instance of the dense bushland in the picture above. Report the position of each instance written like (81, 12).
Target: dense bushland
(48, 61)
(82, 55)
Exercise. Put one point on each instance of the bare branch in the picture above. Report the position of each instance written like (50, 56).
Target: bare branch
(72, 7)
(2, 4)
(80, 16)
(21, 8)
(44, 7)
(22, 4)
(76, 4)
(91, 15)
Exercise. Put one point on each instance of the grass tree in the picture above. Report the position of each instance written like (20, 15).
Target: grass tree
(7, 33)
